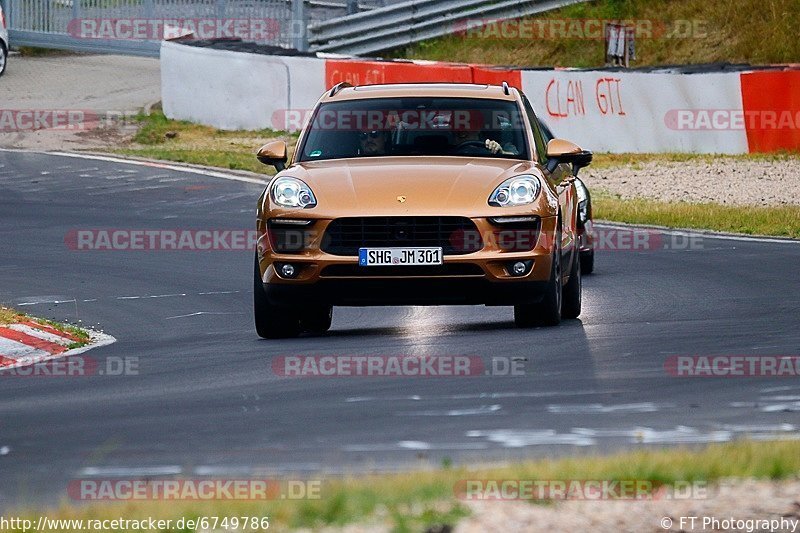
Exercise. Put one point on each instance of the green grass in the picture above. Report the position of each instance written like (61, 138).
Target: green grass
(753, 31)
(606, 160)
(783, 221)
(8, 316)
(158, 137)
(416, 500)
(31, 51)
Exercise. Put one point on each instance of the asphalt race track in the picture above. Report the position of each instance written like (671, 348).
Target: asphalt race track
(206, 402)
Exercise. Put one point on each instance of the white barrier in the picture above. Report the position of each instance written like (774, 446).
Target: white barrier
(234, 90)
(635, 112)
(603, 111)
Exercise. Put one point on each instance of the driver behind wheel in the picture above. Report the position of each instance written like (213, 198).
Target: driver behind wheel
(468, 142)
(372, 142)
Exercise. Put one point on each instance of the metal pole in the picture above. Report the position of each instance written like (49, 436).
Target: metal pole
(221, 7)
(300, 25)
(352, 7)
(8, 9)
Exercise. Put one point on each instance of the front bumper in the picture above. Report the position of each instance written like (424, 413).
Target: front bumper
(481, 277)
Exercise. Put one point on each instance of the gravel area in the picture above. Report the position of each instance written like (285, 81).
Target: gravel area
(737, 500)
(106, 88)
(729, 181)
(743, 500)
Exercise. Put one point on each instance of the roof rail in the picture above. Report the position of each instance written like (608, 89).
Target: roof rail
(505, 88)
(338, 87)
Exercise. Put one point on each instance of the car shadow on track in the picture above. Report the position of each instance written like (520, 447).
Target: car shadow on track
(400, 331)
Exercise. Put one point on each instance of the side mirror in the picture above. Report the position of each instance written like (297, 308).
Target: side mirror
(561, 151)
(274, 154)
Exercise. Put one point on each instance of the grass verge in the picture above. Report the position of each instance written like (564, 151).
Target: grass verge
(32, 51)
(416, 500)
(781, 221)
(158, 137)
(606, 160)
(690, 31)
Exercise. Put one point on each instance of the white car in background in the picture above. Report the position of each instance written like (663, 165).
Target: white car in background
(3, 42)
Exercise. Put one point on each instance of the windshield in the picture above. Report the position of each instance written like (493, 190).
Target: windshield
(415, 126)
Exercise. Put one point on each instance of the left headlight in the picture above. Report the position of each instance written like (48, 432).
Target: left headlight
(519, 190)
(292, 192)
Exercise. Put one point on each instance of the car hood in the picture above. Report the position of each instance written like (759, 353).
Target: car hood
(384, 186)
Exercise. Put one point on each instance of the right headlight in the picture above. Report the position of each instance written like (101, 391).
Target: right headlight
(519, 190)
(292, 192)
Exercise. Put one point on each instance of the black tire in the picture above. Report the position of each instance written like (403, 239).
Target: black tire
(548, 311)
(4, 62)
(571, 300)
(587, 262)
(317, 319)
(272, 321)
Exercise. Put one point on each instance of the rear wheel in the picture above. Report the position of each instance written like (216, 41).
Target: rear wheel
(317, 319)
(548, 311)
(272, 321)
(587, 262)
(571, 306)
(3, 58)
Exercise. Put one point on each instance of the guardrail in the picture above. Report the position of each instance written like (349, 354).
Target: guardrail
(353, 27)
(409, 22)
(52, 23)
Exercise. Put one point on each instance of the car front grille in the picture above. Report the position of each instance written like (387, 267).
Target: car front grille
(452, 269)
(455, 235)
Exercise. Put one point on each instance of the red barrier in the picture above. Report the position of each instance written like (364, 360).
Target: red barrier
(376, 72)
(496, 76)
(771, 103)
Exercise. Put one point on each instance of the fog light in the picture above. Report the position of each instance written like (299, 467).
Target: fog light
(287, 271)
(519, 268)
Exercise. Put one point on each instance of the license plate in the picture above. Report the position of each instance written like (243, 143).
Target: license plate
(399, 256)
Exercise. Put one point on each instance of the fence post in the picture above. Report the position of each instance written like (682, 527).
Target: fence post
(352, 7)
(149, 10)
(8, 9)
(300, 22)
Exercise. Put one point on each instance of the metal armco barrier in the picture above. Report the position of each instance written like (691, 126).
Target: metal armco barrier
(345, 26)
(404, 23)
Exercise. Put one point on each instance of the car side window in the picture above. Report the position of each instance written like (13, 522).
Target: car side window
(538, 138)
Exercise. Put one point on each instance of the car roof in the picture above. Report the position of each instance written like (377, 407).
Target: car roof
(410, 90)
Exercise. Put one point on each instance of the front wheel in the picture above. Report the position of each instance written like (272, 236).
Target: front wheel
(548, 311)
(317, 319)
(571, 306)
(272, 321)
(587, 261)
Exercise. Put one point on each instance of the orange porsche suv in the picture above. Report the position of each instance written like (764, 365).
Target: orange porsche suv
(418, 194)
